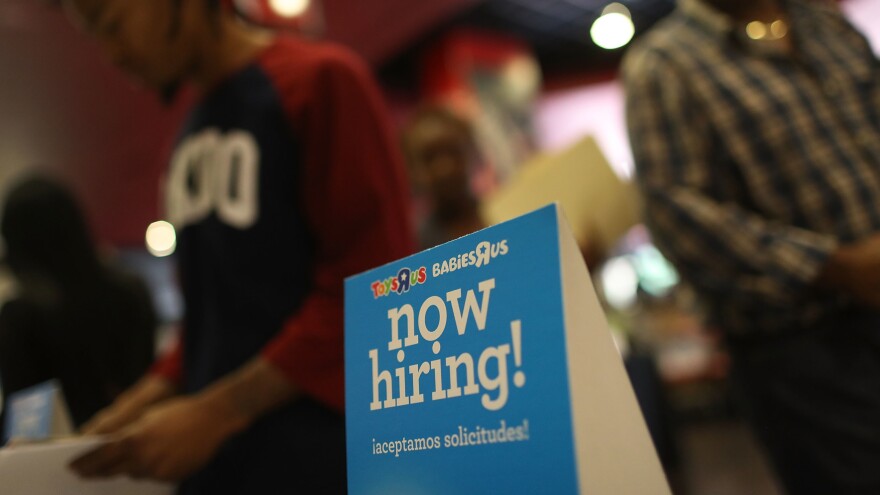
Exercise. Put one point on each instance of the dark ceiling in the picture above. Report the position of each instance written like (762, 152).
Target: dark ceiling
(557, 30)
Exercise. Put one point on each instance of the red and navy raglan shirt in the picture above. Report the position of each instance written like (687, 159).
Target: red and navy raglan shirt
(286, 179)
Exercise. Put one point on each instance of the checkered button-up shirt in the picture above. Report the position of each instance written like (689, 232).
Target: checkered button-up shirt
(756, 162)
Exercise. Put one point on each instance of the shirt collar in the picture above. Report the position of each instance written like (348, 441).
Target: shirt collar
(715, 21)
(722, 26)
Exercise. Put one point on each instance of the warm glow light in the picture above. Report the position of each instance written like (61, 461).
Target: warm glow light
(778, 29)
(756, 30)
(161, 239)
(620, 283)
(614, 28)
(289, 8)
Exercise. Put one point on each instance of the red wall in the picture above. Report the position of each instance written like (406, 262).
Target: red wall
(378, 28)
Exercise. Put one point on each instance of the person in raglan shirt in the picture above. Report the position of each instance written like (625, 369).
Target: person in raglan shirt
(285, 180)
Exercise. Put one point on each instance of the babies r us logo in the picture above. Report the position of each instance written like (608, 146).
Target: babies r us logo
(403, 282)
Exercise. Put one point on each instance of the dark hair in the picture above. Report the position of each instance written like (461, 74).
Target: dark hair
(45, 232)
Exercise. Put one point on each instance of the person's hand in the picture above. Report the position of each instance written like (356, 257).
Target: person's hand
(855, 270)
(129, 406)
(168, 443)
(177, 437)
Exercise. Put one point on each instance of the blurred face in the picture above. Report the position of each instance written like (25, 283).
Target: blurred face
(441, 161)
(153, 40)
(740, 5)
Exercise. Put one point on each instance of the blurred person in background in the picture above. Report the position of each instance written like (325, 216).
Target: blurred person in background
(442, 153)
(73, 318)
(285, 180)
(756, 132)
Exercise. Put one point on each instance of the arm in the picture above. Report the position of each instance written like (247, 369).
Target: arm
(855, 270)
(356, 203)
(160, 383)
(719, 246)
(131, 405)
(178, 436)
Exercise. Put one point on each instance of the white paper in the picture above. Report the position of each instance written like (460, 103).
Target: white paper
(42, 469)
(600, 207)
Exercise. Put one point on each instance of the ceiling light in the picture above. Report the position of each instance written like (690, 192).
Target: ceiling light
(161, 239)
(614, 28)
(289, 8)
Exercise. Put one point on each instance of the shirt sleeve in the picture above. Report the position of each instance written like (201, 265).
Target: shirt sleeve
(716, 244)
(169, 366)
(356, 205)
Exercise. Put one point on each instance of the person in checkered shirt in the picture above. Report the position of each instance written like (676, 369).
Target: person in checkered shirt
(755, 127)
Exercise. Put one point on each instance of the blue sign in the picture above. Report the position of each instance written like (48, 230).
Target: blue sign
(456, 368)
(30, 412)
